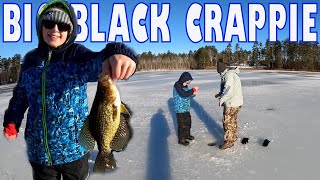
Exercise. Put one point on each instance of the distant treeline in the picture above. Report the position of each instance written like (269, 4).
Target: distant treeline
(283, 55)
(9, 69)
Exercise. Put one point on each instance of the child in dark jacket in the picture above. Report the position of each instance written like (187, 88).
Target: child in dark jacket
(182, 95)
(52, 84)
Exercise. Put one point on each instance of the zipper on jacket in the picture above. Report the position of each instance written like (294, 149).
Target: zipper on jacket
(44, 109)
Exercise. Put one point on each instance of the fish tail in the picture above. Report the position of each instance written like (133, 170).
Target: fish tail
(86, 139)
(103, 162)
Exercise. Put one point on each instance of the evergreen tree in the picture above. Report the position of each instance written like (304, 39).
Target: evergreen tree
(268, 53)
(237, 55)
(278, 55)
(255, 55)
(228, 55)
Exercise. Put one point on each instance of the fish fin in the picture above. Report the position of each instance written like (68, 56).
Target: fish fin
(104, 161)
(86, 139)
(124, 110)
(123, 135)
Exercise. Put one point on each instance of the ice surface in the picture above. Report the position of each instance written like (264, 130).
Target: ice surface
(280, 106)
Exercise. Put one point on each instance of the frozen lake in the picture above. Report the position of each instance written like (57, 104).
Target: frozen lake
(280, 106)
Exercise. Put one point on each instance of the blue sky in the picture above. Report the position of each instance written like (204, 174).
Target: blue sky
(176, 23)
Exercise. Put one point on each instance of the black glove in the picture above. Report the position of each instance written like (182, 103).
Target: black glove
(265, 142)
(245, 140)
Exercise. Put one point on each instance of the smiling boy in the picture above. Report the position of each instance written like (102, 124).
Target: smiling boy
(52, 85)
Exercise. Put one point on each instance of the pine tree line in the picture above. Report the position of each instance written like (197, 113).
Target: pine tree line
(9, 69)
(284, 55)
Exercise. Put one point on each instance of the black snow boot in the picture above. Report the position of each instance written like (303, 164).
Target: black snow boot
(190, 137)
(184, 142)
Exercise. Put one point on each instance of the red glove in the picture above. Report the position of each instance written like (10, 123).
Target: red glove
(10, 130)
(195, 90)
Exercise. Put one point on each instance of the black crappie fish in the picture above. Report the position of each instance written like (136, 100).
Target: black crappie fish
(107, 124)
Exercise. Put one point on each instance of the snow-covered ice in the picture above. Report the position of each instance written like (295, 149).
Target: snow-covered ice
(278, 105)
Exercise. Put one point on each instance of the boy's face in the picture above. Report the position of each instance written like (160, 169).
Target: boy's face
(52, 35)
(186, 83)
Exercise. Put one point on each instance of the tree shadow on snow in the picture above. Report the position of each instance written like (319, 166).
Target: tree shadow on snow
(213, 127)
(158, 157)
(173, 115)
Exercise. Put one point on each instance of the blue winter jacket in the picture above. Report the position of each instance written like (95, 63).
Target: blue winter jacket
(52, 84)
(182, 94)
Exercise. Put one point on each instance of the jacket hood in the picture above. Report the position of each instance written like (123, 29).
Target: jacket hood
(185, 76)
(43, 46)
(235, 70)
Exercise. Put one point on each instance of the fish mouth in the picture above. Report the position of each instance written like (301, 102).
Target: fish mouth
(105, 79)
(109, 85)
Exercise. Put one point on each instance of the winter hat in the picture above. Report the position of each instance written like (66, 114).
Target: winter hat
(221, 67)
(185, 76)
(57, 15)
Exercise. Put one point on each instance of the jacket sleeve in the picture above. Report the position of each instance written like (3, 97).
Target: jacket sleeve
(91, 63)
(119, 48)
(18, 104)
(221, 88)
(181, 91)
(192, 96)
(227, 89)
(82, 54)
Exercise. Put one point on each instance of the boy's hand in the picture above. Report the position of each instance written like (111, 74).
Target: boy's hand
(10, 132)
(195, 90)
(119, 66)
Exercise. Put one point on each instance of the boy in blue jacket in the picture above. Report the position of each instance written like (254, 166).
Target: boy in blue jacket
(181, 99)
(52, 84)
